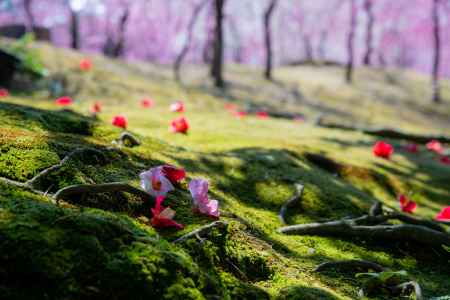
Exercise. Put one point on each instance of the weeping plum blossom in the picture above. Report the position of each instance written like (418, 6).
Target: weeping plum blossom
(64, 101)
(177, 107)
(120, 121)
(406, 204)
(179, 125)
(443, 215)
(163, 216)
(202, 204)
(85, 64)
(155, 182)
(147, 103)
(383, 150)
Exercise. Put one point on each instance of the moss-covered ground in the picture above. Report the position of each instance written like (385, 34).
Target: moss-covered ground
(103, 247)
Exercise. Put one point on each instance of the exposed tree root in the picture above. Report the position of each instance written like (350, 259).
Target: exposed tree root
(202, 231)
(113, 187)
(351, 265)
(128, 140)
(407, 288)
(343, 228)
(21, 185)
(291, 202)
(387, 133)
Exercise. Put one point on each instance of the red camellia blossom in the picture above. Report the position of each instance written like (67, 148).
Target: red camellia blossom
(96, 107)
(382, 149)
(162, 216)
(64, 101)
(85, 64)
(147, 103)
(231, 107)
(120, 121)
(179, 125)
(445, 160)
(435, 146)
(239, 114)
(407, 205)
(412, 147)
(262, 115)
(4, 93)
(443, 215)
(177, 107)
(172, 173)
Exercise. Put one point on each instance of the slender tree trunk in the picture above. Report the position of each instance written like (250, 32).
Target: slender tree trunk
(118, 49)
(217, 62)
(29, 14)
(187, 45)
(350, 42)
(309, 56)
(322, 45)
(368, 6)
(436, 97)
(74, 30)
(268, 39)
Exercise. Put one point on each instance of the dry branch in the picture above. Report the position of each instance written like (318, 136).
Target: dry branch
(346, 228)
(291, 202)
(83, 189)
(201, 231)
(350, 265)
(387, 133)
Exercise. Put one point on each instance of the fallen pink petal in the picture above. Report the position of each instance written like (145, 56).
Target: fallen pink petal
(177, 107)
(435, 146)
(201, 202)
(155, 182)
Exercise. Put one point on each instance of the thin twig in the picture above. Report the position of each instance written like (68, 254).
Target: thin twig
(201, 231)
(291, 202)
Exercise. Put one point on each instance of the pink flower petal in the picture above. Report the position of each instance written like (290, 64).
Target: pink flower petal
(155, 183)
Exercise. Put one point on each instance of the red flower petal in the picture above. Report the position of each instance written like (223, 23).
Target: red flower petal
(407, 205)
(413, 148)
(240, 114)
(174, 174)
(179, 125)
(64, 101)
(159, 221)
(262, 115)
(177, 106)
(382, 149)
(85, 64)
(147, 103)
(435, 146)
(4, 93)
(120, 121)
(231, 107)
(96, 107)
(443, 215)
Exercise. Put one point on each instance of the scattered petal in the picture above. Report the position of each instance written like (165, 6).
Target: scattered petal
(239, 114)
(202, 204)
(120, 121)
(443, 215)
(445, 160)
(4, 93)
(155, 182)
(179, 125)
(406, 204)
(163, 216)
(262, 115)
(177, 106)
(172, 173)
(411, 147)
(64, 101)
(96, 107)
(435, 146)
(382, 149)
(147, 103)
(231, 107)
(85, 64)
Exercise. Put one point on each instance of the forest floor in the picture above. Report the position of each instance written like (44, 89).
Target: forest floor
(103, 246)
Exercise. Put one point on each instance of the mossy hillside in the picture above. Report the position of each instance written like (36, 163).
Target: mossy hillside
(252, 166)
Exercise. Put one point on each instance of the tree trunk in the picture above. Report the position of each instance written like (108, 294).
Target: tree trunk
(29, 14)
(350, 42)
(368, 6)
(268, 39)
(436, 96)
(217, 62)
(322, 45)
(118, 50)
(187, 45)
(309, 57)
(74, 30)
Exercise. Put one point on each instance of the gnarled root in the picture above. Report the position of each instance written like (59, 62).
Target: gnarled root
(291, 202)
(202, 231)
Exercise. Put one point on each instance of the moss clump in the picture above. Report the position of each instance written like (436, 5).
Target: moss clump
(53, 253)
(305, 293)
